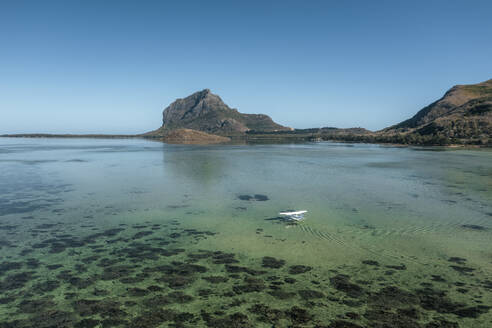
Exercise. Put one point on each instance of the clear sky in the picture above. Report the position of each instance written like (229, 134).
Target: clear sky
(113, 66)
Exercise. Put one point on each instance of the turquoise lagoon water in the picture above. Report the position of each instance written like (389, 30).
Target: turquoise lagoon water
(135, 233)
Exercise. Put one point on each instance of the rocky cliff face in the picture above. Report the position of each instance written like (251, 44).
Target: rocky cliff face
(463, 114)
(205, 111)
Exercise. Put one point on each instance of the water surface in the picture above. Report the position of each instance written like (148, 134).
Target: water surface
(134, 233)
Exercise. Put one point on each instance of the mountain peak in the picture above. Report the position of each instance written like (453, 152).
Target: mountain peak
(203, 93)
(205, 111)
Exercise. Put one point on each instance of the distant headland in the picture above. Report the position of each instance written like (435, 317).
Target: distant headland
(463, 116)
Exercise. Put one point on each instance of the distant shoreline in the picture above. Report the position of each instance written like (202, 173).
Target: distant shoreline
(243, 140)
(462, 118)
(49, 135)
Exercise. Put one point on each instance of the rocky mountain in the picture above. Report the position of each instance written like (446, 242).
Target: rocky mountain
(462, 115)
(206, 112)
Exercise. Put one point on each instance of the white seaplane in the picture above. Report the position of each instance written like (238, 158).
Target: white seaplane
(293, 215)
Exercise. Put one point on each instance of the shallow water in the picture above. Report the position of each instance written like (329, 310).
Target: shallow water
(134, 233)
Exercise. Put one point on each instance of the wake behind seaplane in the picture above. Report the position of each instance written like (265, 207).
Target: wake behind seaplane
(294, 215)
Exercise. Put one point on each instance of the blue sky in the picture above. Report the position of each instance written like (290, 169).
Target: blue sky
(113, 66)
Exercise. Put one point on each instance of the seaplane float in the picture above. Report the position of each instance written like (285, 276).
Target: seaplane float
(293, 215)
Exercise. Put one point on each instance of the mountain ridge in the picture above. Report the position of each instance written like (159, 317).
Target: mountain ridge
(462, 115)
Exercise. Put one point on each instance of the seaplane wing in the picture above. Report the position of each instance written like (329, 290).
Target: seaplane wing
(294, 215)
